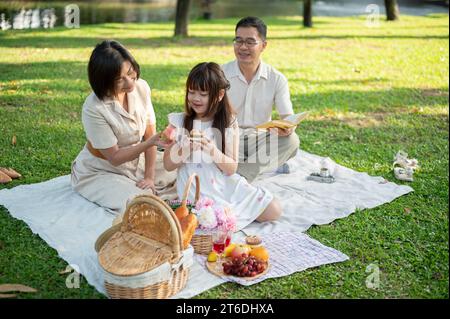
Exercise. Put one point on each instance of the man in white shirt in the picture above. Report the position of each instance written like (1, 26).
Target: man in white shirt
(255, 87)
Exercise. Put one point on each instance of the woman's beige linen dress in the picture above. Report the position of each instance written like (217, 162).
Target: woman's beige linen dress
(106, 123)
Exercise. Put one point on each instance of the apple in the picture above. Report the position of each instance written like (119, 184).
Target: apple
(168, 134)
(229, 249)
(239, 250)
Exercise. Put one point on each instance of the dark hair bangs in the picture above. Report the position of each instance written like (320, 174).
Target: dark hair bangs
(199, 80)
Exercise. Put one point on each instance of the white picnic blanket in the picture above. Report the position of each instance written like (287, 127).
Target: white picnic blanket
(71, 224)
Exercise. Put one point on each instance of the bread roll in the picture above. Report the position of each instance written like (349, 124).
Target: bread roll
(188, 226)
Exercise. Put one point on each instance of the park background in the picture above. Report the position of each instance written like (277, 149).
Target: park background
(373, 87)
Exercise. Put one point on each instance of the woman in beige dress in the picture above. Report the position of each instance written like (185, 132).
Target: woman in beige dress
(120, 157)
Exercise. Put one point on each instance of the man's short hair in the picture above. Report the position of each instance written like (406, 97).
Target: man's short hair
(255, 23)
(105, 66)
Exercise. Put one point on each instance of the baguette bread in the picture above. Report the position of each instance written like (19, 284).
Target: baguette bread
(188, 226)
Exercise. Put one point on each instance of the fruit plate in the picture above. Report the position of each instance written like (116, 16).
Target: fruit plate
(211, 266)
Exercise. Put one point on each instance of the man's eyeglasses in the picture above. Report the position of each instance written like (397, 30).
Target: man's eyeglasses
(248, 42)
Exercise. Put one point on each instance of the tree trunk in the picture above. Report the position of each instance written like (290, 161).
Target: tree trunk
(206, 8)
(307, 13)
(182, 18)
(392, 11)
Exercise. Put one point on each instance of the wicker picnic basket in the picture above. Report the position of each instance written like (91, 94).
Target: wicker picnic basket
(143, 256)
(202, 243)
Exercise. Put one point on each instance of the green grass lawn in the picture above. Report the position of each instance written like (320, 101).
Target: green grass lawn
(371, 91)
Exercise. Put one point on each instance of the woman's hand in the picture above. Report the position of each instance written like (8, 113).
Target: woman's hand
(147, 183)
(158, 140)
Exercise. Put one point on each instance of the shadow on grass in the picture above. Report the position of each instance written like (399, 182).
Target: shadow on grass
(90, 42)
(53, 82)
(168, 41)
(60, 75)
(371, 101)
(342, 81)
(359, 36)
(65, 84)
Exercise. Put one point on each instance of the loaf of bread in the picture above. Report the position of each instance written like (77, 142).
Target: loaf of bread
(188, 226)
(4, 178)
(10, 172)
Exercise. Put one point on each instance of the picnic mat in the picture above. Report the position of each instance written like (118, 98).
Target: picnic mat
(71, 224)
(282, 247)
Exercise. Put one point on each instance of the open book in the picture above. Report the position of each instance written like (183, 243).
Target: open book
(289, 122)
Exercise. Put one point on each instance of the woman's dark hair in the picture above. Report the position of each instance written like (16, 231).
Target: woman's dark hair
(209, 77)
(105, 66)
(255, 23)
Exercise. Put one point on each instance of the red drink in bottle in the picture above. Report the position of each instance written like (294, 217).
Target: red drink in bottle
(227, 241)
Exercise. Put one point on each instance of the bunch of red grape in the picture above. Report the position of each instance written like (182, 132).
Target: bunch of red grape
(244, 266)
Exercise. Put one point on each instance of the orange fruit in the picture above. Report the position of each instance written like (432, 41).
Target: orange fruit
(260, 253)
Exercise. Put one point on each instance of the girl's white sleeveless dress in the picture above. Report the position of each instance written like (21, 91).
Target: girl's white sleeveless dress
(246, 200)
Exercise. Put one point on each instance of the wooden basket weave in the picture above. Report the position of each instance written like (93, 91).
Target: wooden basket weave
(145, 247)
(202, 243)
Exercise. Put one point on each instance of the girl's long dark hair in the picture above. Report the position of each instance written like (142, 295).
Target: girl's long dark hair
(209, 77)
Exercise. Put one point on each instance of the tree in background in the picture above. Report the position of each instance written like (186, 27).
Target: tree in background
(182, 17)
(307, 13)
(392, 11)
(206, 8)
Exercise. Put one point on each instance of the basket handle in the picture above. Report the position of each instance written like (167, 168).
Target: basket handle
(188, 187)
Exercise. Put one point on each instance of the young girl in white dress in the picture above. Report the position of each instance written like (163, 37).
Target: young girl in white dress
(213, 154)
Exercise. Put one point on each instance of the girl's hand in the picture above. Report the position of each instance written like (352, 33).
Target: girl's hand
(186, 147)
(208, 146)
(147, 183)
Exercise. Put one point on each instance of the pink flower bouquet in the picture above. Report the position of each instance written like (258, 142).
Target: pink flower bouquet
(212, 216)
